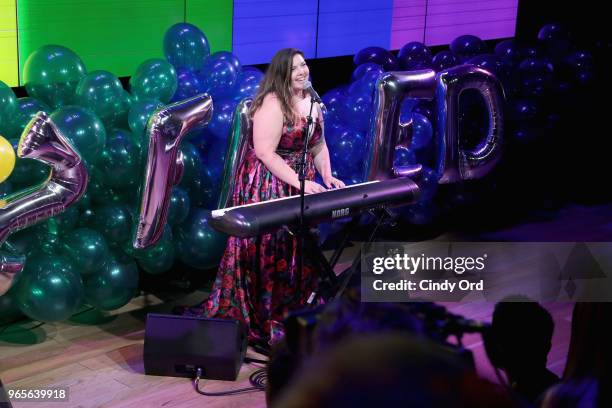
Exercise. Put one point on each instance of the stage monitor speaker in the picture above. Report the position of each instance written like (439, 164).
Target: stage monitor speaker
(4, 398)
(177, 346)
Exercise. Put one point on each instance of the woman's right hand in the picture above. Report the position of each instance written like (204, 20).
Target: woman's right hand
(310, 187)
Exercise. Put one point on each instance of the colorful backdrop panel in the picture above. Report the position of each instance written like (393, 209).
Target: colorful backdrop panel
(114, 35)
(263, 27)
(8, 42)
(448, 19)
(408, 22)
(214, 18)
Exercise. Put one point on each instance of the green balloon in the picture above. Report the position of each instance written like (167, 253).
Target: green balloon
(50, 289)
(120, 165)
(8, 105)
(84, 129)
(63, 223)
(158, 259)
(198, 244)
(139, 115)
(113, 286)
(114, 221)
(87, 249)
(25, 110)
(179, 206)
(51, 74)
(192, 163)
(102, 92)
(154, 78)
(27, 172)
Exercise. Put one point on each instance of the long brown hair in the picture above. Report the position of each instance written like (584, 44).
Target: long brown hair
(278, 81)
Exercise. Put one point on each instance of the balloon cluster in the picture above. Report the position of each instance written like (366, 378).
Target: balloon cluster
(538, 80)
(85, 255)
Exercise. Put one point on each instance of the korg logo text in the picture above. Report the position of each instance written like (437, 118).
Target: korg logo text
(343, 212)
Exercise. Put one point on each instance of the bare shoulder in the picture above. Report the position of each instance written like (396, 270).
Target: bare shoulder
(270, 105)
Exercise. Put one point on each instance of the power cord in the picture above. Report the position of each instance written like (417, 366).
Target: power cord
(257, 379)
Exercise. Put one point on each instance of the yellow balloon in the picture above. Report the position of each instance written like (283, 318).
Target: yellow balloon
(7, 159)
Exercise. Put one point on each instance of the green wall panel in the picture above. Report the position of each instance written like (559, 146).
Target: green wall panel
(214, 17)
(115, 35)
(8, 43)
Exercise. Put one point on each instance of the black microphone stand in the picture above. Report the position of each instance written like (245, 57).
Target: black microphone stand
(306, 133)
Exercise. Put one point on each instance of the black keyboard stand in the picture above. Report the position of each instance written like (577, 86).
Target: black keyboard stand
(330, 285)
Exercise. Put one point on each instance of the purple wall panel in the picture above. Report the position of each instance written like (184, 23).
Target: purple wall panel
(408, 22)
(448, 19)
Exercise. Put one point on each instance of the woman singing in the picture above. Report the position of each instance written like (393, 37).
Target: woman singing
(257, 279)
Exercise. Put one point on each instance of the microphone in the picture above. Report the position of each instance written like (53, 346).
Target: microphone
(313, 94)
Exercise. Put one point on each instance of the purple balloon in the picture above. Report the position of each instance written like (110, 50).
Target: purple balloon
(166, 129)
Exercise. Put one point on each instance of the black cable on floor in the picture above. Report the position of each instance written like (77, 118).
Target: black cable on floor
(257, 380)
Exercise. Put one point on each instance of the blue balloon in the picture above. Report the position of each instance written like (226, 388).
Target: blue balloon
(186, 46)
(555, 39)
(334, 101)
(358, 110)
(523, 110)
(406, 109)
(219, 77)
(365, 68)
(346, 146)
(536, 75)
(443, 60)
(377, 55)
(414, 55)
(365, 85)
(229, 57)
(424, 108)
(189, 85)
(404, 156)
(249, 81)
(422, 131)
(221, 122)
(490, 62)
(509, 50)
(467, 46)
(428, 184)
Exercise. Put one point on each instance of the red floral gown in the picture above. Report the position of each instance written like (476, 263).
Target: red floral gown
(256, 280)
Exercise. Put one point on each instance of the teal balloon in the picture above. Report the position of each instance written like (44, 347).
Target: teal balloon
(25, 110)
(139, 115)
(9, 308)
(102, 92)
(63, 223)
(154, 78)
(27, 172)
(158, 259)
(8, 105)
(98, 191)
(84, 129)
(112, 286)
(114, 221)
(87, 249)
(186, 46)
(192, 163)
(50, 289)
(179, 206)
(198, 244)
(51, 74)
(119, 164)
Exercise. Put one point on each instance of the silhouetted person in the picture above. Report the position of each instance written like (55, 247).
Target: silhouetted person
(389, 370)
(587, 380)
(519, 342)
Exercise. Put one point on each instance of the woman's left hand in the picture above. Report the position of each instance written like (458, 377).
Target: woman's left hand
(332, 182)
